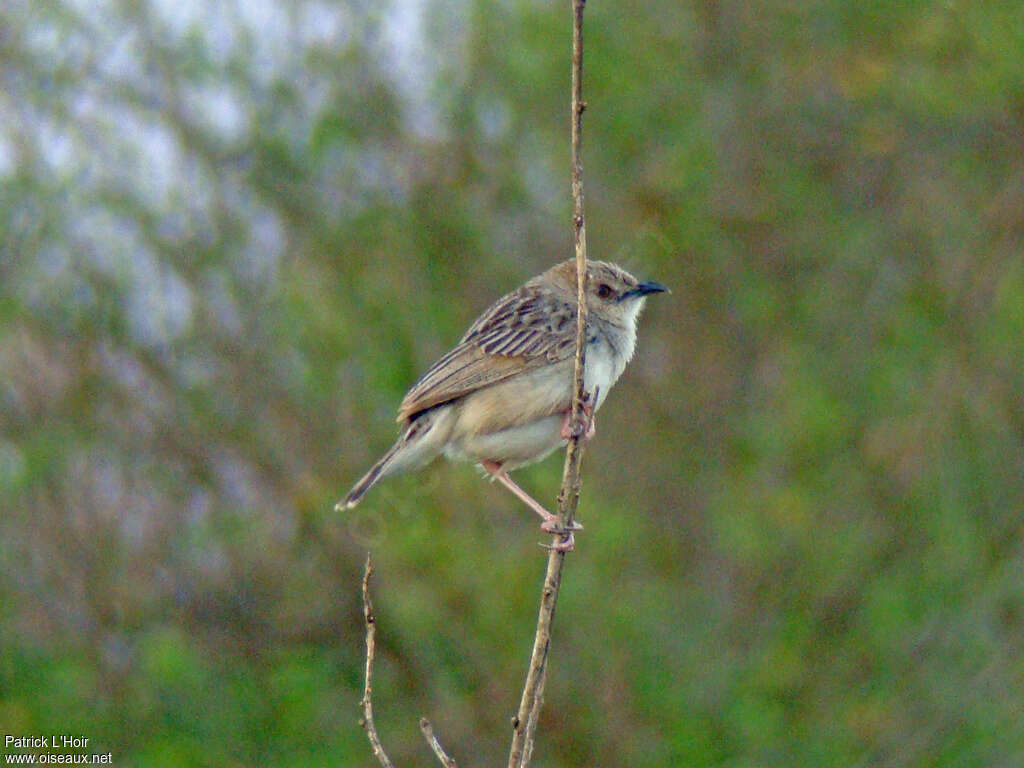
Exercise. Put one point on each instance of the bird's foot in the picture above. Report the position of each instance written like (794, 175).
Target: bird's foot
(567, 542)
(587, 425)
(554, 525)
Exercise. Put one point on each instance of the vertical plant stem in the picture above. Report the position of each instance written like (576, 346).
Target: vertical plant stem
(371, 648)
(524, 726)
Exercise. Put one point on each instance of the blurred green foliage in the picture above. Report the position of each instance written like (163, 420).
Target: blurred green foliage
(233, 234)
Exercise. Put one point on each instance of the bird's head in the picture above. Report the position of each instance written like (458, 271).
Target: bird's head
(613, 294)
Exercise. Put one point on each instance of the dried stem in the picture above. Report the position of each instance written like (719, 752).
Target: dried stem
(524, 726)
(428, 733)
(367, 719)
(371, 647)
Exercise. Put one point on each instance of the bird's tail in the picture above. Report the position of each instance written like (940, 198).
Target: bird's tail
(420, 443)
(370, 479)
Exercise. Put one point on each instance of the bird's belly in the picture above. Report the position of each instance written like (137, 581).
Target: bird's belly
(512, 447)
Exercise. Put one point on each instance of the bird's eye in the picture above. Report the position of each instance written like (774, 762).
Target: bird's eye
(604, 290)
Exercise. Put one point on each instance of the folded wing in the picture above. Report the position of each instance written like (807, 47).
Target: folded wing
(523, 330)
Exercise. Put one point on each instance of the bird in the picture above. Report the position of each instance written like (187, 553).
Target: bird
(502, 397)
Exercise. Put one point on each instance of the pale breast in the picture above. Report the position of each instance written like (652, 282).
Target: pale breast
(608, 352)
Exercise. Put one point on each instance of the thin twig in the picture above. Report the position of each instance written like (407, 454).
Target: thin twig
(428, 732)
(524, 726)
(371, 648)
(367, 719)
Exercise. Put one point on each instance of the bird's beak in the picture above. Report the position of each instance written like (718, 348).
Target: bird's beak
(650, 286)
(644, 288)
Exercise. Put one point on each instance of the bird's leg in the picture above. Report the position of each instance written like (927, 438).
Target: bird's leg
(571, 430)
(549, 523)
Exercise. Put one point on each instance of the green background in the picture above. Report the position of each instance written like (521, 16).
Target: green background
(234, 234)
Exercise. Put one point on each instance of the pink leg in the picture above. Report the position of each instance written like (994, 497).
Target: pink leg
(549, 522)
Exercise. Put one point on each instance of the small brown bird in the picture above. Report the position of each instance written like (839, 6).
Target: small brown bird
(502, 397)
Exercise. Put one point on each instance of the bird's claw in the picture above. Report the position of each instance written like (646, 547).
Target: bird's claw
(555, 526)
(585, 426)
(567, 544)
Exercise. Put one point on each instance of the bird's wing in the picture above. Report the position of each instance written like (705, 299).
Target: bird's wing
(523, 330)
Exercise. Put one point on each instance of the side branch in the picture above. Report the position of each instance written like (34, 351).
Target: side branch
(524, 725)
(431, 737)
(366, 721)
(371, 648)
